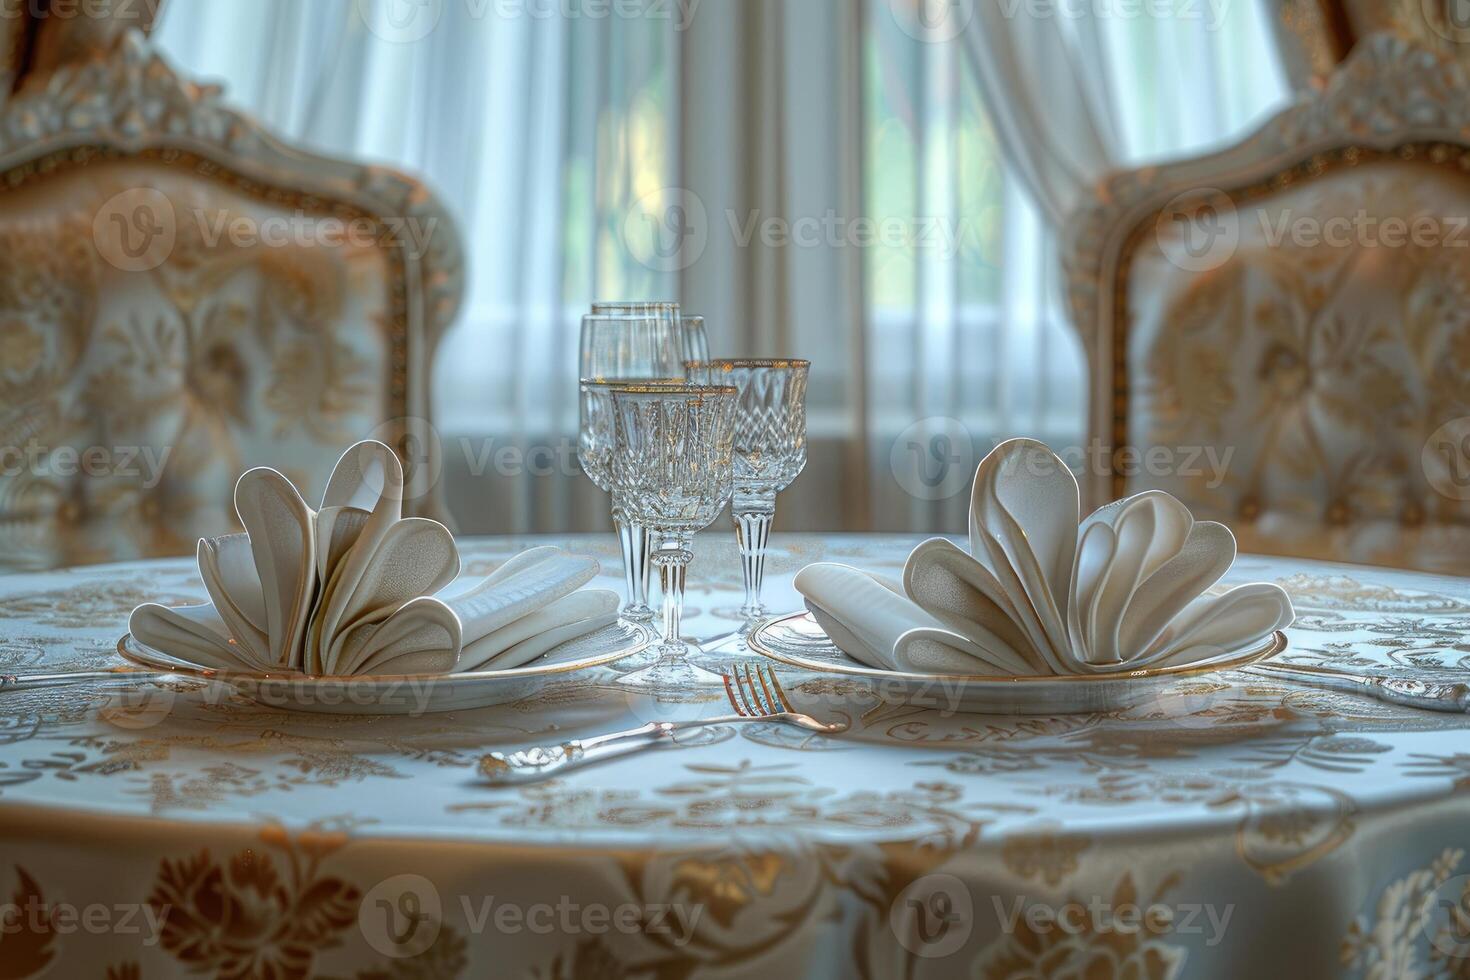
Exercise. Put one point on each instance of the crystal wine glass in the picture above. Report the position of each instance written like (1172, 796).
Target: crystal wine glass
(691, 329)
(622, 348)
(673, 471)
(770, 452)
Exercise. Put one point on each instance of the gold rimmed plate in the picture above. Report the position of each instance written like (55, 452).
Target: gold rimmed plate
(414, 694)
(796, 640)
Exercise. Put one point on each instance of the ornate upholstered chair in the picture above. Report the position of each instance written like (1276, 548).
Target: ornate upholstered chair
(183, 296)
(1299, 306)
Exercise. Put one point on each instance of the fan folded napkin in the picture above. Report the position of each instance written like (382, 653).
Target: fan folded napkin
(1040, 595)
(356, 588)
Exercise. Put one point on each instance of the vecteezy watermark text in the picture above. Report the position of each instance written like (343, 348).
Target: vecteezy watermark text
(117, 11)
(408, 21)
(511, 459)
(669, 230)
(138, 229)
(143, 463)
(1364, 230)
(934, 459)
(943, 236)
(567, 917)
(402, 916)
(1201, 229)
(304, 230)
(1211, 13)
(936, 915)
(1100, 916)
(37, 917)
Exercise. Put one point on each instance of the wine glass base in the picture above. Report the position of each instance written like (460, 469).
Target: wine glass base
(636, 614)
(669, 676)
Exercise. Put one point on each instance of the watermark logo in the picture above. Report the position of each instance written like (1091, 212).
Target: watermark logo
(933, 21)
(933, 917)
(419, 449)
(401, 21)
(1199, 230)
(1448, 921)
(1450, 19)
(136, 231)
(1446, 459)
(667, 230)
(401, 917)
(934, 458)
(138, 708)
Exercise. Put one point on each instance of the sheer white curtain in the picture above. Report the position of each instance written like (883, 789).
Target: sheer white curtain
(845, 180)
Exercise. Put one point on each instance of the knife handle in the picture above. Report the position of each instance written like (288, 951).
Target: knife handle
(36, 682)
(1451, 696)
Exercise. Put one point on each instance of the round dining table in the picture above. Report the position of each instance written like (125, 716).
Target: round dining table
(1241, 825)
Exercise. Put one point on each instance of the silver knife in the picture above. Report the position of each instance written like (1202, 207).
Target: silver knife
(117, 675)
(1451, 696)
(545, 761)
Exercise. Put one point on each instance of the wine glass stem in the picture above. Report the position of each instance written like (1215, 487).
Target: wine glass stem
(673, 562)
(636, 543)
(753, 533)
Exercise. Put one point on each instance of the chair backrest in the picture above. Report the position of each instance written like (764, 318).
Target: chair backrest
(183, 297)
(1279, 333)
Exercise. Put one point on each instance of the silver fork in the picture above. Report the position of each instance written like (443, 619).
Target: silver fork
(754, 694)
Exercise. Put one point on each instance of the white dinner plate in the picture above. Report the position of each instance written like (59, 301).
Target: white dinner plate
(409, 695)
(797, 641)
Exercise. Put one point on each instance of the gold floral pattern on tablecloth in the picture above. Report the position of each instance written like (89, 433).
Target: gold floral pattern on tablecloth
(1418, 927)
(27, 937)
(261, 913)
(1050, 856)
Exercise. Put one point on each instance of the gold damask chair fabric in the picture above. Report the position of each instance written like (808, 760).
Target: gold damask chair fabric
(185, 297)
(1286, 323)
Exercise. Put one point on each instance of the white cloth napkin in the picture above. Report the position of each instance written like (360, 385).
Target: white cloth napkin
(356, 588)
(1039, 594)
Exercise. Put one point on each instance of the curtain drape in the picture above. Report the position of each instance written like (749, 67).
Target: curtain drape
(1046, 86)
(836, 179)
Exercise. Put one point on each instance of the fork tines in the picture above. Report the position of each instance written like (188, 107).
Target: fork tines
(755, 692)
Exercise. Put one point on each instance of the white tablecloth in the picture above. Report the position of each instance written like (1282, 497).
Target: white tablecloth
(1243, 828)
